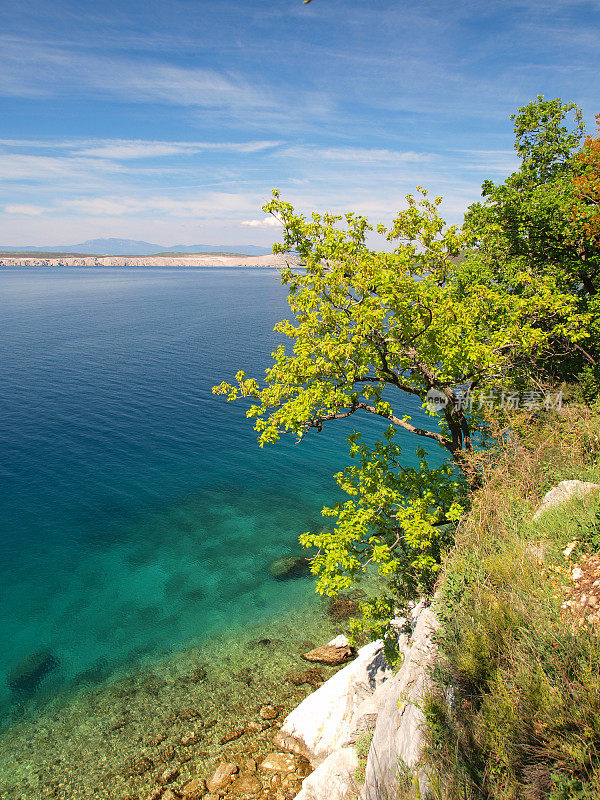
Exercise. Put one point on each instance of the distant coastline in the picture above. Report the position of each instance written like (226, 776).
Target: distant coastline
(202, 260)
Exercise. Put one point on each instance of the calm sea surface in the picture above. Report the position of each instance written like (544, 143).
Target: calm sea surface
(137, 512)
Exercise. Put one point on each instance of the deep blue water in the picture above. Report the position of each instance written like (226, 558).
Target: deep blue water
(137, 512)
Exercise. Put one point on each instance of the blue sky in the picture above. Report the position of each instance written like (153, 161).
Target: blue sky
(172, 121)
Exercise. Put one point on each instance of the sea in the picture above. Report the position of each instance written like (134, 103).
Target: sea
(138, 516)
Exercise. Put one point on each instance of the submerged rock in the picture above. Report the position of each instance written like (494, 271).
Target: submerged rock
(168, 776)
(198, 675)
(169, 795)
(191, 737)
(231, 736)
(313, 677)
(139, 766)
(289, 567)
(279, 762)
(222, 777)
(246, 785)
(194, 789)
(269, 711)
(31, 671)
(342, 607)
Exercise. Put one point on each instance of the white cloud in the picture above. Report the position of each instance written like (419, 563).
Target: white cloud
(267, 222)
(28, 210)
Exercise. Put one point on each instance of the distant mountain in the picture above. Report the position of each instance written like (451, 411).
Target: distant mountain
(131, 247)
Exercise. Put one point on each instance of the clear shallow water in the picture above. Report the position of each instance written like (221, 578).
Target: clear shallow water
(137, 513)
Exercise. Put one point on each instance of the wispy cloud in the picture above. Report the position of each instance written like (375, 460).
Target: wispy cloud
(204, 204)
(357, 155)
(121, 149)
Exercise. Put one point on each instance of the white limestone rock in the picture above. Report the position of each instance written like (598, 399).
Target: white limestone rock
(561, 494)
(333, 779)
(325, 720)
(398, 735)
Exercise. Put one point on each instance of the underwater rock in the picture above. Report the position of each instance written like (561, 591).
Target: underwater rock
(170, 795)
(245, 676)
(289, 567)
(342, 607)
(193, 790)
(167, 753)
(186, 714)
(268, 711)
(257, 727)
(268, 644)
(246, 785)
(97, 673)
(198, 675)
(141, 765)
(192, 737)
(168, 776)
(313, 677)
(222, 777)
(279, 762)
(29, 672)
(232, 736)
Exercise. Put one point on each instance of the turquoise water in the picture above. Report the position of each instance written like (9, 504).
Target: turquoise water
(137, 512)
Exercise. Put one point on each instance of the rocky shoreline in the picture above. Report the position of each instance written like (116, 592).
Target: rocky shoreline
(185, 715)
(209, 260)
(272, 717)
(317, 750)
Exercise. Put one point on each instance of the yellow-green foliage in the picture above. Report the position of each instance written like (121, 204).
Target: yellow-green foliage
(516, 713)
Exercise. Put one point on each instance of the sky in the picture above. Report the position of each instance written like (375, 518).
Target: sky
(172, 121)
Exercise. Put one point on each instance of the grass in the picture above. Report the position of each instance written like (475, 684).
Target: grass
(515, 712)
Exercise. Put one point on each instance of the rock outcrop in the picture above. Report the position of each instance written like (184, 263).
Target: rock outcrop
(563, 493)
(398, 739)
(364, 698)
(327, 718)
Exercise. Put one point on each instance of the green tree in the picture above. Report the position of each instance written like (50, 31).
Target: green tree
(369, 329)
(540, 221)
